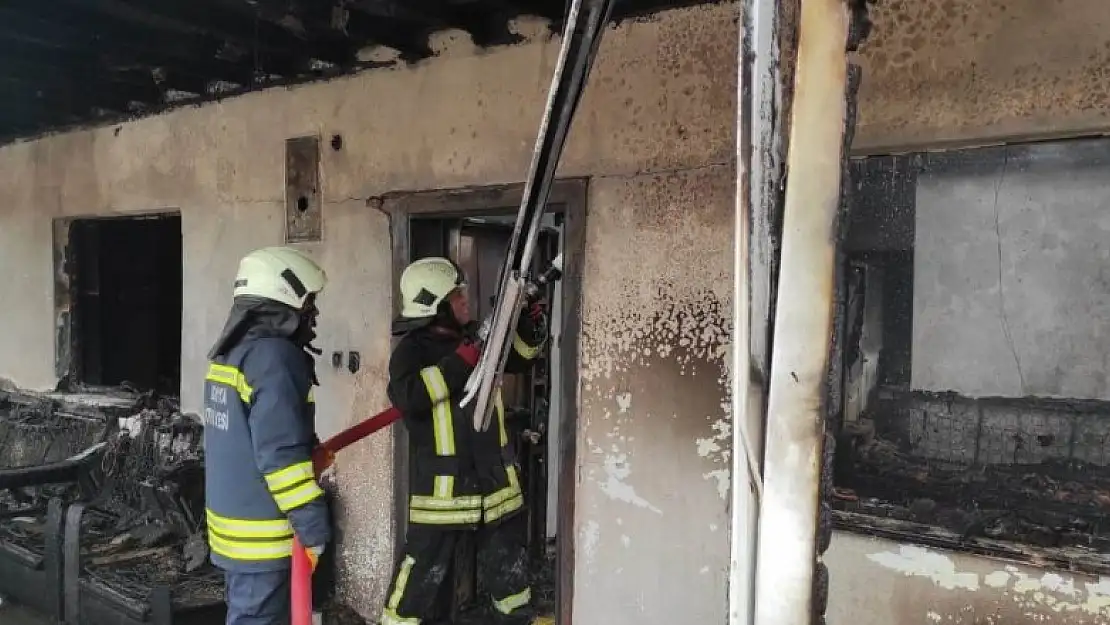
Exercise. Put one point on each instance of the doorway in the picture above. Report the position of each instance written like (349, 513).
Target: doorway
(473, 227)
(119, 302)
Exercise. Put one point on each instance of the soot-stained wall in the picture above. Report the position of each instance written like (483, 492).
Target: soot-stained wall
(652, 502)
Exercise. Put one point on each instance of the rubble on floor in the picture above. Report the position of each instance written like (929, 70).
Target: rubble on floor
(1054, 504)
(140, 478)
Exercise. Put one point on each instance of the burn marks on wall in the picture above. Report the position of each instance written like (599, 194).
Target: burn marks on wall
(656, 334)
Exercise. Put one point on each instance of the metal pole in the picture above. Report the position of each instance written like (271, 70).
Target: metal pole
(744, 508)
(803, 320)
(759, 163)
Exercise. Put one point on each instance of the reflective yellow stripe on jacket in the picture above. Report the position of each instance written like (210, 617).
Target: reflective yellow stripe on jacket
(507, 500)
(510, 498)
(245, 539)
(443, 507)
(230, 376)
(293, 486)
(525, 350)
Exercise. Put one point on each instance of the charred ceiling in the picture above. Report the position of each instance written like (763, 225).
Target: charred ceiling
(73, 62)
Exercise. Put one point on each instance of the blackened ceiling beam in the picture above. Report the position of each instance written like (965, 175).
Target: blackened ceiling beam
(486, 23)
(337, 18)
(73, 100)
(409, 39)
(190, 17)
(31, 37)
(129, 41)
(14, 54)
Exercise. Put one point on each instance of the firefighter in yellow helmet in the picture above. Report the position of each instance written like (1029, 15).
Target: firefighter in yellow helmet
(259, 433)
(462, 480)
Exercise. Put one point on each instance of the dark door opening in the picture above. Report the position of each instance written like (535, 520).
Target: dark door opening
(125, 277)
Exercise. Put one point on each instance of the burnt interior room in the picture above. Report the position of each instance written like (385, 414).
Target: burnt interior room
(970, 403)
(126, 292)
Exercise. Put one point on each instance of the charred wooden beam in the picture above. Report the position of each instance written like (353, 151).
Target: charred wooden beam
(487, 24)
(46, 67)
(93, 34)
(74, 98)
(410, 39)
(199, 19)
(29, 38)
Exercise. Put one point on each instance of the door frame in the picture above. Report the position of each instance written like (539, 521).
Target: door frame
(568, 197)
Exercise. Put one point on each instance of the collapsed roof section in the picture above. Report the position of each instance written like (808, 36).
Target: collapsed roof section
(76, 62)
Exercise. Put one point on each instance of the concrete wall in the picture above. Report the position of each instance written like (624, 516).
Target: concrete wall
(648, 332)
(974, 71)
(881, 582)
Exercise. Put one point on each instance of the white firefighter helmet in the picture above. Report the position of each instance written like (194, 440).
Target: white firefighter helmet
(281, 274)
(425, 284)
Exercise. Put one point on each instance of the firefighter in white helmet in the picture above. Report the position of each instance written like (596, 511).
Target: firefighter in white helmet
(259, 434)
(463, 481)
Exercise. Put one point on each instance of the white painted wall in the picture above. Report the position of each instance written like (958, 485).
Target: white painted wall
(881, 582)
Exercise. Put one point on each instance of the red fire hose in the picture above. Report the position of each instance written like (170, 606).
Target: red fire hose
(322, 458)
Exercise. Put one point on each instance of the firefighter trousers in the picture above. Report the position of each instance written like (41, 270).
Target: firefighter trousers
(429, 552)
(258, 598)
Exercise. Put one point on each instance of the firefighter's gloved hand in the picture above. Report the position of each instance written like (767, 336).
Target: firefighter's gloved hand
(314, 554)
(469, 352)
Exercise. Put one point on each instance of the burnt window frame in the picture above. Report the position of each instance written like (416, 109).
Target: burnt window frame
(871, 523)
(68, 368)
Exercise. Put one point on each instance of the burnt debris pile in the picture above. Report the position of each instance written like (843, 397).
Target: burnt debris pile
(127, 470)
(1032, 472)
(146, 526)
(47, 450)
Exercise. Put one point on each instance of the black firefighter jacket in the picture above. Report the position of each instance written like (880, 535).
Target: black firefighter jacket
(461, 478)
